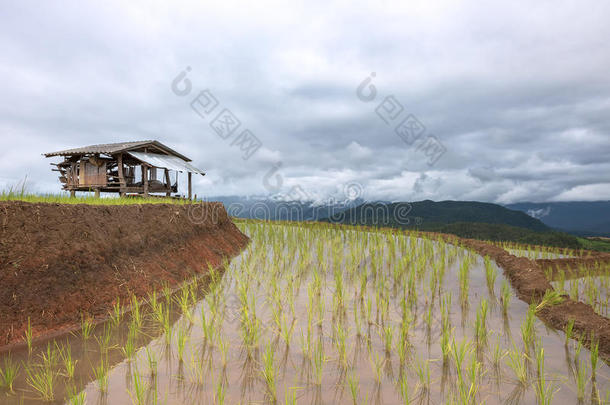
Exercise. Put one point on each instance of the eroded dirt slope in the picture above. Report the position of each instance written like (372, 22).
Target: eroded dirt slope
(58, 261)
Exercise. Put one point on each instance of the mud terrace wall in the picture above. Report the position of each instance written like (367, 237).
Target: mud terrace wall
(59, 261)
(530, 283)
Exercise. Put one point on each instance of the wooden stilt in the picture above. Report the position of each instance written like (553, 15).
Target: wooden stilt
(190, 175)
(168, 183)
(121, 175)
(145, 179)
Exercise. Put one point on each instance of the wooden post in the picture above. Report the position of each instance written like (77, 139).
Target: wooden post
(97, 192)
(145, 179)
(121, 175)
(72, 193)
(190, 186)
(73, 175)
(168, 183)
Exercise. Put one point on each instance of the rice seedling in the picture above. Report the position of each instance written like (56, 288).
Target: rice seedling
(136, 315)
(581, 380)
(404, 389)
(506, 294)
(196, 371)
(445, 344)
(377, 363)
(152, 361)
(76, 398)
(422, 369)
(162, 318)
(481, 323)
(138, 394)
(116, 314)
(8, 373)
(129, 348)
(464, 279)
(153, 300)
(223, 348)
(528, 329)
(516, 362)
(551, 297)
(41, 378)
(104, 339)
(219, 396)
(100, 373)
(388, 335)
(29, 336)
(318, 359)
(569, 330)
(285, 330)
(544, 391)
(490, 275)
(86, 326)
(579, 347)
(354, 386)
(594, 351)
(497, 354)
(268, 371)
(340, 343)
(459, 352)
(290, 397)
(182, 337)
(184, 300)
(65, 353)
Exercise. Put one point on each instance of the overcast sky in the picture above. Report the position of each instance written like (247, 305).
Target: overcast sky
(517, 94)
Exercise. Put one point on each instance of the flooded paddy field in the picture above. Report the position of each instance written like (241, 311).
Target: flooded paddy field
(325, 315)
(590, 289)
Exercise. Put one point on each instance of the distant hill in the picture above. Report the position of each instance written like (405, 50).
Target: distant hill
(585, 218)
(426, 213)
(469, 219)
(275, 209)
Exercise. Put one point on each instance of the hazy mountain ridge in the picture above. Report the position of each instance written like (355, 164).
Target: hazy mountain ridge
(586, 218)
(270, 208)
(442, 212)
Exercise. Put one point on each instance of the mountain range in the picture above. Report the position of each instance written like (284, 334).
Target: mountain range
(584, 218)
(578, 218)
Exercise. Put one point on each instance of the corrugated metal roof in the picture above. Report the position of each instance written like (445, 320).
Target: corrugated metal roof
(112, 148)
(167, 162)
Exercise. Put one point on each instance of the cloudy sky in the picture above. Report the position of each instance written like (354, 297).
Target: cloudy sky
(517, 95)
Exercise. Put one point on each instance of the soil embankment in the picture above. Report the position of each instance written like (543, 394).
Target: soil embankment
(530, 283)
(575, 267)
(59, 261)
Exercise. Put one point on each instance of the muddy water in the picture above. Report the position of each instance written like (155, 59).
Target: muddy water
(290, 278)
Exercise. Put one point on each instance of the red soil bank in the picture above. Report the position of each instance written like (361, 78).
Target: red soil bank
(58, 260)
(528, 279)
(572, 267)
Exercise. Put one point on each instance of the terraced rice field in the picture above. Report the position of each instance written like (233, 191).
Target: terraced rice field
(314, 313)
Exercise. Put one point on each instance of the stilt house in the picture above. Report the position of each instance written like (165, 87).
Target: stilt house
(142, 167)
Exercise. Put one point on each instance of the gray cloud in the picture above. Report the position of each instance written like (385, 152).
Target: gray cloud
(518, 93)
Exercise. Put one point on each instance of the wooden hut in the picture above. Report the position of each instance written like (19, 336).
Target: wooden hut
(124, 168)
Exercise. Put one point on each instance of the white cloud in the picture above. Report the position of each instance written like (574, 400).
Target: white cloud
(517, 92)
(587, 192)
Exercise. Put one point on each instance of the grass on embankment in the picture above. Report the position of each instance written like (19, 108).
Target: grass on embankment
(595, 244)
(86, 199)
